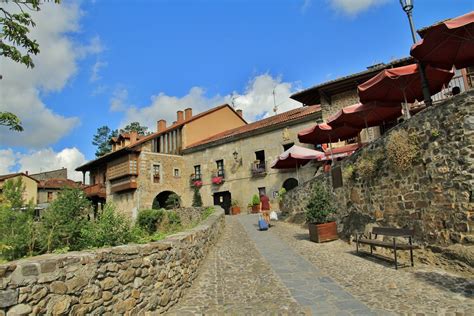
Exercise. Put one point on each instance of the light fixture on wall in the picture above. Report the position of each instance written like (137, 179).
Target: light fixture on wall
(237, 160)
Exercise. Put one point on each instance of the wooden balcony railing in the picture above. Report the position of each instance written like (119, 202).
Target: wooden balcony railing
(95, 190)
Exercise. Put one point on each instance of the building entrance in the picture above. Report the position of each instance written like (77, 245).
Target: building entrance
(223, 199)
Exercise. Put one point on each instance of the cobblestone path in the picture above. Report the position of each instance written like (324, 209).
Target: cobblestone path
(422, 290)
(235, 279)
(309, 285)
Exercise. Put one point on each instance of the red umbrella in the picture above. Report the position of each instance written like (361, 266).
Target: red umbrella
(296, 156)
(323, 133)
(365, 115)
(402, 84)
(447, 43)
(339, 152)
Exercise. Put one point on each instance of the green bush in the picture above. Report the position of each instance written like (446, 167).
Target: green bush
(149, 220)
(109, 229)
(173, 218)
(320, 206)
(197, 199)
(255, 200)
(207, 212)
(64, 220)
(281, 194)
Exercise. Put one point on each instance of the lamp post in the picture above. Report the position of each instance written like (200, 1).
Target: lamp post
(407, 6)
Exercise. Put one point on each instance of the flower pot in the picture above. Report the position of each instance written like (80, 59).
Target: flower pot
(255, 208)
(235, 210)
(322, 232)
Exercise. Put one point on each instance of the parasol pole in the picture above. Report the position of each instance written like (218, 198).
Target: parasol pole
(330, 149)
(297, 177)
(407, 111)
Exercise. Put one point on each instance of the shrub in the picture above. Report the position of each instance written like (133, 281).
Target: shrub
(149, 220)
(348, 172)
(197, 199)
(402, 150)
(173, 218)
(320, 206)
(109, 229)
(64, 220)
(255, 200)
(207, 212)
(281, 194)
(369, 163)
(173, 201)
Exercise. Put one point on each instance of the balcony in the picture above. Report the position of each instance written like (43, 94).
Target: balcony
(125, 184)
(95, 190)
(259, 169)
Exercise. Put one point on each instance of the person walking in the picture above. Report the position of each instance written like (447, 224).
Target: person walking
(265, 208)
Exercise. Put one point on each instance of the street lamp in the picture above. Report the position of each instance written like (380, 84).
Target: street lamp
(407, 6)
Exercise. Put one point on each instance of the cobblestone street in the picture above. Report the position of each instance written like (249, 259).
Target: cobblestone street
(281, 272)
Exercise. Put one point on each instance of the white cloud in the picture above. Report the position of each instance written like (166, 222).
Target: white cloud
(54, 66)
(256, 102)
(95, 70)
(118, 100)
(353, 7)
(47, 159)
(7, 161)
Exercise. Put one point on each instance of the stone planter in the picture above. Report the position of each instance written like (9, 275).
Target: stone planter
(322, 232)
(255, 209)
(235, 210)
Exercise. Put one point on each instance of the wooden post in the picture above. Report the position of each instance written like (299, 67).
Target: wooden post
(395, 252)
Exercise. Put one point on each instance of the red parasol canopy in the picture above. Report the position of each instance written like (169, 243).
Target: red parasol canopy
(323, 133)
(295, 156)
(402, 84)
(365, 115)
(447, 43)
(339, 152)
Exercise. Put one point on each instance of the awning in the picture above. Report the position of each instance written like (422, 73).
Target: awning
(324, 133)
(295, 156)
(447, 43)
(339, 152)
(365, 115)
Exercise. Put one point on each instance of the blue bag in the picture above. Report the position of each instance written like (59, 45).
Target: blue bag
(262, 224)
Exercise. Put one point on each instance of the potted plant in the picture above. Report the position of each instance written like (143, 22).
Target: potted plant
(255, 203)
(217, 180)
(235, 207)
(318, 211)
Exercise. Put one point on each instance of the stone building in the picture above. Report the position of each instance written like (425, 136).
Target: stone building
(141, 172)
(49, 189)
(30, 184)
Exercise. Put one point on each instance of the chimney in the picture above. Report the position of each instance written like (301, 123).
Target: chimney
(188, 113)
(239, 111)
(133, 137)
(26, 172)
(160, 126)
(180, 116)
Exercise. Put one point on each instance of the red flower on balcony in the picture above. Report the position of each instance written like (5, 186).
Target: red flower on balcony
(217, 180)
(197, 184)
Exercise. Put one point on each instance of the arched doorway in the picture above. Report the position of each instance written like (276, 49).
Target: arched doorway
(160, 200)
(290, 184)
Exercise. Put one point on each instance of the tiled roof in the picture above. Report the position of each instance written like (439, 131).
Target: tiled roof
(144, 139)
(12, 175)
(285, 117)
(58, 184)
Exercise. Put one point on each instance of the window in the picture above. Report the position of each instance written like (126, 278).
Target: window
(155, 145)
(197, 172)
(262, 191)
(50, 196)
(220, 168)
(156, 173)
(176, 172)
(287, 146)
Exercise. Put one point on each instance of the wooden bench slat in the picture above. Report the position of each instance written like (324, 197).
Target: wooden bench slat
(388, 231)
(387, 244)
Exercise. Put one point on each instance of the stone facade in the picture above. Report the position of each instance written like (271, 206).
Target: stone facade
(121, 280)
(239, 181)
(435, 196)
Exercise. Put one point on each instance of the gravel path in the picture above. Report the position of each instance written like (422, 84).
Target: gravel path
(235, 279)
(422, 290)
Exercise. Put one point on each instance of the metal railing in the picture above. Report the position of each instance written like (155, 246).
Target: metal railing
(259, 169)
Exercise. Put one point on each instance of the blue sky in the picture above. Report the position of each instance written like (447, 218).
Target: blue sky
(109, 62)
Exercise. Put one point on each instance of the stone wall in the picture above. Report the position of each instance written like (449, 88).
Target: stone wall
(189, 215)
(121, 280)
(435, 196)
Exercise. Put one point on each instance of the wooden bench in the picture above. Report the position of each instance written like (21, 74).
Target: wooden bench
(393, 244)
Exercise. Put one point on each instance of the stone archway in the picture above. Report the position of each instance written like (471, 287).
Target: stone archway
(290, 184)
(160, 200)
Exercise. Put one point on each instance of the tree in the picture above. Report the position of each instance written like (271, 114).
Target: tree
(14, 35)
(135, 126)
(102, 140)
(64, 220)
(11, 120)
